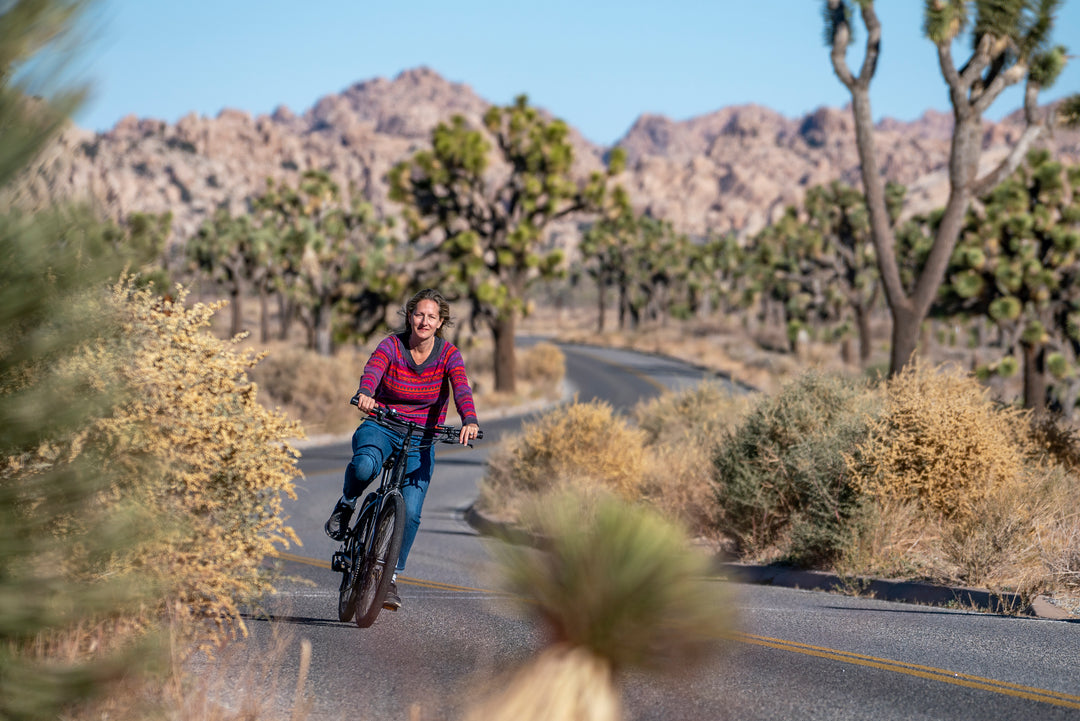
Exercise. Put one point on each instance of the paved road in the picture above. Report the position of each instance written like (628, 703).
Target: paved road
(797, 655)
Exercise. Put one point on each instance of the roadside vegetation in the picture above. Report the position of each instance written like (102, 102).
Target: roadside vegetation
(923, 476)
(147, 447)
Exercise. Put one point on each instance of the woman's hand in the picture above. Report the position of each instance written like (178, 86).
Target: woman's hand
(468, 433)
(365, 403)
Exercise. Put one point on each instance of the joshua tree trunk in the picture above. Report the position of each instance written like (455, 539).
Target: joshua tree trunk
(1034, 376)
(969, 100)
(502, 333)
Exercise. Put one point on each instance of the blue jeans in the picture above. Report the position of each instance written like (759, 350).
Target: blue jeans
(371, 444)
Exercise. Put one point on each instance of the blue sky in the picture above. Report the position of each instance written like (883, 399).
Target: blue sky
(597, 64)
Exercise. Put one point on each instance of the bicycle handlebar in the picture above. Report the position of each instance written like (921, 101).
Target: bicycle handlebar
(444, 434)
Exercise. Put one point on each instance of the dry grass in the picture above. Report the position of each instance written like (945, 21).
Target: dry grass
(311, 388)
(683, 431)
(241, 681)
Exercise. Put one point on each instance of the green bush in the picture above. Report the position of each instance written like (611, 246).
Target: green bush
(783, 488)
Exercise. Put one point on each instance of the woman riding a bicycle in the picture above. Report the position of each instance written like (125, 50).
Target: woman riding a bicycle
(414, 372)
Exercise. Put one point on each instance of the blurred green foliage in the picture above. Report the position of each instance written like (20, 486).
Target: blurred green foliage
(50, 286)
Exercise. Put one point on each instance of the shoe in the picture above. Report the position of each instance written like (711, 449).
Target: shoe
(338, 524)
(393, 600)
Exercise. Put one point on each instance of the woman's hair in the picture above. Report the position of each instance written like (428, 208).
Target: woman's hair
(427, 294)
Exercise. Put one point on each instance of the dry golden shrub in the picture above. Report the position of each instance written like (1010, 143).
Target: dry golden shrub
(941, 441)
(542, 366)
(193, 448)
(684, 429)
(579, 445)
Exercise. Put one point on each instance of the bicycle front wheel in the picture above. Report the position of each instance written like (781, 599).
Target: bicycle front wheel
(354, 551)
(378, 567)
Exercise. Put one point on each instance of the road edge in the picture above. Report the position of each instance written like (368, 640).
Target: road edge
(912, 592)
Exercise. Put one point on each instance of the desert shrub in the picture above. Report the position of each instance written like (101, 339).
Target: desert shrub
(989, 497)
(942, 442)
(210, 455)
(309, 387)
(188, 450)
(580, 445)
(542, 366)
(1056, 439)
(617, 588)
(683, 430)
(783, 488)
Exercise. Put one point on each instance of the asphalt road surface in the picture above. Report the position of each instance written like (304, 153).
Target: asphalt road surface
(796, 654)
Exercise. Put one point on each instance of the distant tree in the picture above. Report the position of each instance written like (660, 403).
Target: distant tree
(838, 214)
(334, 251)
(643, 258)
(601, 255)
(239, 255)
(1010, 44)
(656, 264)
(485, 222)
(1018, 263)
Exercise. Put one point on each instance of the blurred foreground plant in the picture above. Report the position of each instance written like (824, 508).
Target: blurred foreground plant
(616, 587)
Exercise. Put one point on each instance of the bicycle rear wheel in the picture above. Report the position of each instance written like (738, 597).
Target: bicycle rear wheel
(378, 567)
(354, 551)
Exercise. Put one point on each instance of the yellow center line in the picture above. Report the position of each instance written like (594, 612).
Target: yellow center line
(930, 673)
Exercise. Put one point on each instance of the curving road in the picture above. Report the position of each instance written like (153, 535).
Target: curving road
(798, 655)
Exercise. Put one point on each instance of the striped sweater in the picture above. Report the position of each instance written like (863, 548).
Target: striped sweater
(418, 392)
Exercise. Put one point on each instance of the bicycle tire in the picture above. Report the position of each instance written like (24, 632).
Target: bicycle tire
(379, 566)
(354, 547)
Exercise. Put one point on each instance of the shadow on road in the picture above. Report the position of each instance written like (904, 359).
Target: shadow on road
(295, 620)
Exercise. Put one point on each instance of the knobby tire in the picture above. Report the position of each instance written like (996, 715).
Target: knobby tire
(354, 549)
(379, 567)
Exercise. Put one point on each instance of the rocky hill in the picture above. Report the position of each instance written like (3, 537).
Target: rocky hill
(732, 170)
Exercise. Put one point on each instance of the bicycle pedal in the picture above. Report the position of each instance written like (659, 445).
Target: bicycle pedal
(340, 562)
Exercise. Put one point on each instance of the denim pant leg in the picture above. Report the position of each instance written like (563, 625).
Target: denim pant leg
(417, 478)
(371, 444)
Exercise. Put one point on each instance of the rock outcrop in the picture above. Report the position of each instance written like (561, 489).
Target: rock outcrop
(733, 170)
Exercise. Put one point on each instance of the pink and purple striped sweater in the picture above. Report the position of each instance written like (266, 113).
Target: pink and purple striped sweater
(419, 393)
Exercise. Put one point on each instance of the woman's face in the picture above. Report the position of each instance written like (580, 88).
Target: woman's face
(425, 320)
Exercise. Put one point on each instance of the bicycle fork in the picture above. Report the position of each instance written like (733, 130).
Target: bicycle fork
(341, 561)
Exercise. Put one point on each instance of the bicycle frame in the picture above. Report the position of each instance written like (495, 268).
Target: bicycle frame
(368, 556)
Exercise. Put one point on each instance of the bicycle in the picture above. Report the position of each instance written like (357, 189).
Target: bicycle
(369, 554)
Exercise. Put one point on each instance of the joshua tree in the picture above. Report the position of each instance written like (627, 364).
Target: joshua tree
(1010, 44)
(487, 222)
(1018, 263)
